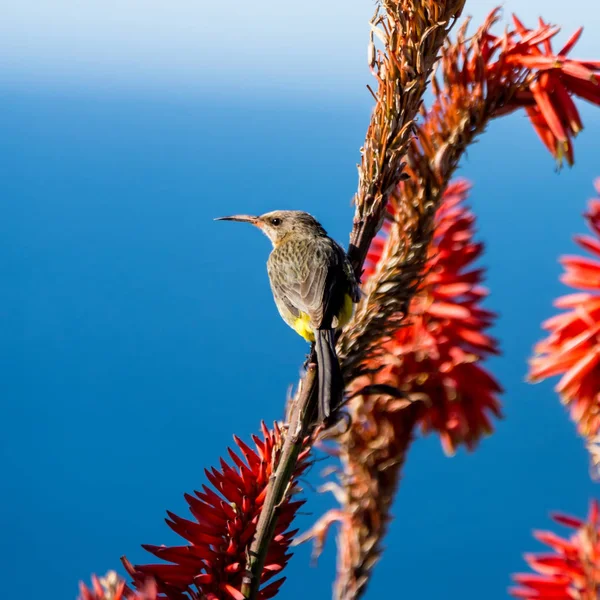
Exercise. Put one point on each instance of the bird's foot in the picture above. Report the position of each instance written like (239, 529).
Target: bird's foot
(335, 425)
(307, 361)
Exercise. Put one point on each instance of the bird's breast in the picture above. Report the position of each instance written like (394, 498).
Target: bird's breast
(303, 327)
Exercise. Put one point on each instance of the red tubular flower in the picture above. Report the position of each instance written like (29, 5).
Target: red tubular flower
(572, 570)
(212, 564)
(111, 587)
(437, 356)
(549, 103)
(544, 81)
(572, 348)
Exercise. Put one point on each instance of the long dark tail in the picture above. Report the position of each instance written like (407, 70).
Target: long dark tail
(331, 385)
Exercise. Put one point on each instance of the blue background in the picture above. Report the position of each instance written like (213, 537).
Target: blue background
(138, 335)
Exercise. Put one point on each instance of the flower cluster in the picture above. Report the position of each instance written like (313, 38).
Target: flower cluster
(436, 358)
(520, 69)
(212, 563)
(548, 102)
(572, 348)
(572, 570)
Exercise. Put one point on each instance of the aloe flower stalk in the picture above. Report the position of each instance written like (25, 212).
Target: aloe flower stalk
(212, 562)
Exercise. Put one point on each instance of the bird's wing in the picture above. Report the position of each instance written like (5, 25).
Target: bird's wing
(305, 276)
(353, 287)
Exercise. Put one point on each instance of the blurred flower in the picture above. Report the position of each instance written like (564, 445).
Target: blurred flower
(572, 570)
(212, 564)
(572, 348)
(436, 357)
(111, 587)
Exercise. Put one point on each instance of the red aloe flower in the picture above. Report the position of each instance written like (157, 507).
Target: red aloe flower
(543, 81)
(572, 348)
(572, 571)
(111, 587)
(212, 564)
(548, 102)
(436, 356)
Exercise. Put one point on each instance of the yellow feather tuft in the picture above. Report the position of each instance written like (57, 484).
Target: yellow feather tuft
(346, 312)
(303, 327)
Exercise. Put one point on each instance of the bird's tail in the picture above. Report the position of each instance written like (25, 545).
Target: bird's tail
(331, 384)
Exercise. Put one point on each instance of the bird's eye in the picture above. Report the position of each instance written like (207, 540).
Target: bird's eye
(275, 221)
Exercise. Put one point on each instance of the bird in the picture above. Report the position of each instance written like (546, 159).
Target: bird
(314, 288)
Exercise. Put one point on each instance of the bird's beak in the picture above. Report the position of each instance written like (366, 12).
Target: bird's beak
(240, 218)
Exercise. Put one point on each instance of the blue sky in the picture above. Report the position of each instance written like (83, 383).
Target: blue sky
(267, 44)
(139, 335)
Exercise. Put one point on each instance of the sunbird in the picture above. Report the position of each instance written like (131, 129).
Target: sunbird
(314, 288)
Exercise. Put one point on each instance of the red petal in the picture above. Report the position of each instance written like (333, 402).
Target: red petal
(588, 243)
(544, 103)
(585, 89)
(571, 42)
(568, 106)
(578, 371)
(448, 311)
(567, 520)
(233, 592)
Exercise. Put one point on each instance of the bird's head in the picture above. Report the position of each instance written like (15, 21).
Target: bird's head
(279, 224)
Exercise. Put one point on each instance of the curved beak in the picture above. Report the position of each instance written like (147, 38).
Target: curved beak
(239, 218)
